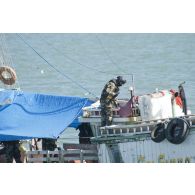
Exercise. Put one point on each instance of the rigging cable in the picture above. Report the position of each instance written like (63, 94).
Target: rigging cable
(108, 56)
(10, 61)
(118, 67)
(75, 61)
(67, 77)
(89, 67)
(71, 59)
(2, 59)
(6, 58)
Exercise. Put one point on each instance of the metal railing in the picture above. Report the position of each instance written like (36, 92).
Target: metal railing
(74, 154)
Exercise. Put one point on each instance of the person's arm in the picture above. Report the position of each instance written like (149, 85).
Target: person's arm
(112, 90)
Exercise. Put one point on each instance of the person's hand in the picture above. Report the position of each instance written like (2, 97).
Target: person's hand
(117, 93)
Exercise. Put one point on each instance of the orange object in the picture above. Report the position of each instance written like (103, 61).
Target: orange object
(179, 101)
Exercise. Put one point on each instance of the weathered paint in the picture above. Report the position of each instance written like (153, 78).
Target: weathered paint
(146, 151)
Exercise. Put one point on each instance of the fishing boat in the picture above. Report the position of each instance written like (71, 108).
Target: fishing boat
(155, 127)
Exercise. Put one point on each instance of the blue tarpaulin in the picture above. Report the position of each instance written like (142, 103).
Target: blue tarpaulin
(28, 115)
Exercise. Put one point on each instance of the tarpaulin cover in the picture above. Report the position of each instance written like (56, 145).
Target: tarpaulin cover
(28, 115)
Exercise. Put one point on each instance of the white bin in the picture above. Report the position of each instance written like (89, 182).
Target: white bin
(156, 106)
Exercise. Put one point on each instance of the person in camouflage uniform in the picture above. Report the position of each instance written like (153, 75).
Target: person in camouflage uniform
(12, 151)
(108, 100)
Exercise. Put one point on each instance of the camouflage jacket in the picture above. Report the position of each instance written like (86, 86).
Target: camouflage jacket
(109, 93)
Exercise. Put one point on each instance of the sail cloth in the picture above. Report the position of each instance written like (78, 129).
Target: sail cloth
(28, 115)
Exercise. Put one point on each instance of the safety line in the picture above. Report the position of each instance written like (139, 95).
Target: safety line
(6, 58)
(108, 56)
(81, 64)
(54, 66)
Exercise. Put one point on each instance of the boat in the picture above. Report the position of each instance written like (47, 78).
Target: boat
(29, 115)
(153, 128)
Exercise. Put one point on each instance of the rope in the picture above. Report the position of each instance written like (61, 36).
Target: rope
(75, 61)
(89, 67)
(108, 56)
(5, 58)
(10, 61)
(67, 77)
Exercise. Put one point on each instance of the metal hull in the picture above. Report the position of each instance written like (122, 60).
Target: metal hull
(128, 140)
(144, 150)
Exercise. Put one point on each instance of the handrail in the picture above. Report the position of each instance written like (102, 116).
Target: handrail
(61, 156)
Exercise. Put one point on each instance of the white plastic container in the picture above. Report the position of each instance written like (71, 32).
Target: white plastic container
(156, 106)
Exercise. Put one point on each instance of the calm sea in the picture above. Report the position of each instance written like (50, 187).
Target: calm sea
(160, 61)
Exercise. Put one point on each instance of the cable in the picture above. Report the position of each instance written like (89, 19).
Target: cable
(108, 56)
(67, 77)
(75, 61)
(10, 61)
(6, 58)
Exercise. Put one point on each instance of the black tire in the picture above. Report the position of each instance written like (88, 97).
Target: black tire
(158, 133)
(177, 130)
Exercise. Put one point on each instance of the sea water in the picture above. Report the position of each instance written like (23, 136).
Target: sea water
(160, 61)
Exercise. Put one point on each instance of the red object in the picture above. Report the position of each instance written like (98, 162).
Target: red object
(179, 101)
(126, 110)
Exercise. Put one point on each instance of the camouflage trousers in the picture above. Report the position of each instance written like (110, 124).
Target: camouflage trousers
(12, 151)
(106, 115)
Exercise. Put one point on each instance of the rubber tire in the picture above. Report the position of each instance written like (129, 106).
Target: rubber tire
(182, 127)
(158, 133)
